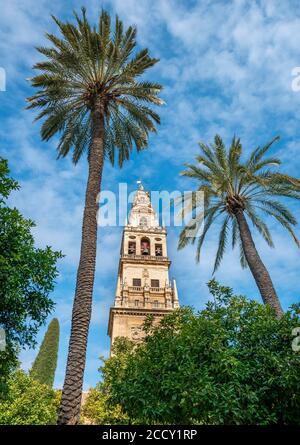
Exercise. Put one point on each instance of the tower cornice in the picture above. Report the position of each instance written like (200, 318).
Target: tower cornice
(139, 312)
(144, 229)
(144, 259)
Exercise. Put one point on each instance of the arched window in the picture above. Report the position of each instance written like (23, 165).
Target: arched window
(145, 246)
(158, 249)
(143, 221)
(131, 248)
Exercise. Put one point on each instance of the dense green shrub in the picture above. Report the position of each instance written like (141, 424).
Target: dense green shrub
(27, 277)
(44, 366)
(231, 363)
(97, 410)
(28, 402)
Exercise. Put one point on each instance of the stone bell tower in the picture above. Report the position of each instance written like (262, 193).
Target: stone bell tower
(143, 285)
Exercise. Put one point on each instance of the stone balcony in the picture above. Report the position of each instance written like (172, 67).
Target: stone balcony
(147, 297)
(142, 305)
(155, 290)
(145, 258)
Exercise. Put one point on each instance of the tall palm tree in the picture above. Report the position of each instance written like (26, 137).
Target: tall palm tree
(89, 92)
(239, 192)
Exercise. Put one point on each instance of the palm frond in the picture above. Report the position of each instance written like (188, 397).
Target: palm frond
(243, 260)
(258, 153)
(222, 243)
(260, 225)
(285, 224)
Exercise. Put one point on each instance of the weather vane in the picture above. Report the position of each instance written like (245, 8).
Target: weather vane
(139, 183)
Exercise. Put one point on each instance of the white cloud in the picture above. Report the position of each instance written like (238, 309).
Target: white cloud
(226, 68)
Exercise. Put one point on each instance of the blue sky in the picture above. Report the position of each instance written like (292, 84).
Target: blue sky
(226, 68)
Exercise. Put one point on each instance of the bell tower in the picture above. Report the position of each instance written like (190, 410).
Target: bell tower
(143, 285)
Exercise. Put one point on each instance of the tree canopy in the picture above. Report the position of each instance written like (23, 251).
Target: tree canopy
(44, 366)
(87, 66)
(231, 363)
(28, 402)
(27, 277)
(229, 182)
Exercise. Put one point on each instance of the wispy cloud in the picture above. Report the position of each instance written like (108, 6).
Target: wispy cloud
(226, 68)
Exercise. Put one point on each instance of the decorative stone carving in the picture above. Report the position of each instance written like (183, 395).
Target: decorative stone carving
(136, 332)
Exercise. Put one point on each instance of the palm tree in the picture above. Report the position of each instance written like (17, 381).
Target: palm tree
(89, 92)
(239, 192)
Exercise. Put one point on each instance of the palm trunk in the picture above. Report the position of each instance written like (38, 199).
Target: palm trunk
(257, 267)
(69, 412)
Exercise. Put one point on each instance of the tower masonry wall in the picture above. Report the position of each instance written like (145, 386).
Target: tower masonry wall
(143, 284)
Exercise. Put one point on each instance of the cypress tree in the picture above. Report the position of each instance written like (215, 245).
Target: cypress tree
(45, 363)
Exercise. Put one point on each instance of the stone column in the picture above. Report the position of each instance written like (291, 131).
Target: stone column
(147, 303)
(138, 245)
(125, 293)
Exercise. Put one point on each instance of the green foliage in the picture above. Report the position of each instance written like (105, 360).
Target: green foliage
(28, 402)
(231, 363)
(97, 408)
(27, 276)
(44, 366)
(86, 65)
(229, 183)
(7, 184)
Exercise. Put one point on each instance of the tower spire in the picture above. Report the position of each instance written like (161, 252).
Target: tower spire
(142, 213)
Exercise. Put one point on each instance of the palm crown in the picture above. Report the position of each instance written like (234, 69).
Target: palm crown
(89, 64)
(230, 184)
